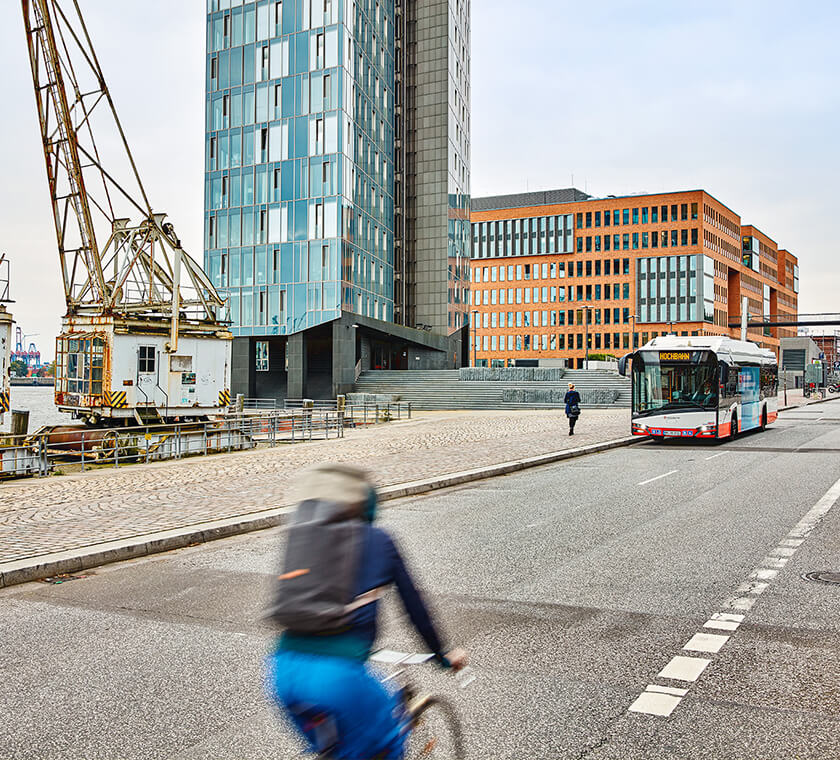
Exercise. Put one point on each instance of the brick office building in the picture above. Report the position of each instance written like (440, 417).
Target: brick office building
(553, 270)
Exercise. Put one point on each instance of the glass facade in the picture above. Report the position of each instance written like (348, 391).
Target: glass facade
(523, 237)
(299, 204)
(675, 289)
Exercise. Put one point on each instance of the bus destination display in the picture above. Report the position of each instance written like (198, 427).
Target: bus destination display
(674, 356)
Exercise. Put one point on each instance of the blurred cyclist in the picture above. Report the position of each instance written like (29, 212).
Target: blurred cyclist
(337, 565)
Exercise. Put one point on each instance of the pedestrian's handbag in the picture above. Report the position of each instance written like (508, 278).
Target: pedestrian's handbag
(574, 410)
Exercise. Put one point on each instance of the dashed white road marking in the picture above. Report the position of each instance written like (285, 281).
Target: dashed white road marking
(662, 700)
(777, 563)
(667, 690)
(715, 456)
(753, 587)
(684, 668)
(655, 703)
(723, 621)
(706, 642)
(783, 551)
(744, 603)
(658, 477)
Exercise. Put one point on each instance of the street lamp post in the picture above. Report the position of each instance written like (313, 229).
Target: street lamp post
(586, 312)
(633, 317)
(475, 337)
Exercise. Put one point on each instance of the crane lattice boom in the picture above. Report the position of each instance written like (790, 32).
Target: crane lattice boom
(140, 272)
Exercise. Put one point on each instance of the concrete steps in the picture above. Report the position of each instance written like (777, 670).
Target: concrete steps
(443, 389)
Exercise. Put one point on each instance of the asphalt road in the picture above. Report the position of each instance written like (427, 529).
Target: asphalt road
(573, 586)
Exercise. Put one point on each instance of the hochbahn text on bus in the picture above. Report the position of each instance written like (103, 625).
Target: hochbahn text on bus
(701, 387)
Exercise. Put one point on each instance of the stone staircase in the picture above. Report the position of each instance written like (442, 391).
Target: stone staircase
(444, 389)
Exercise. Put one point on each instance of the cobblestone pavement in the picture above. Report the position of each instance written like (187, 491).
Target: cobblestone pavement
(67, 512)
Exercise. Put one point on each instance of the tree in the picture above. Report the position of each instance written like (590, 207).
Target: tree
(18, 368)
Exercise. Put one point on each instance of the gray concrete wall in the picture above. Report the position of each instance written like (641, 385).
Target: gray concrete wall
(242, 367)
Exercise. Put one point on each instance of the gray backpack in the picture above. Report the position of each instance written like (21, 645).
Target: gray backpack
(315, 591)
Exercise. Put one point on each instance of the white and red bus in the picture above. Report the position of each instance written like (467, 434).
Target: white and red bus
(701, 387)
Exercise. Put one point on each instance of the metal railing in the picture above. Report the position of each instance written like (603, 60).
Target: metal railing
(77, 448)
(258, 403)
(364, 413)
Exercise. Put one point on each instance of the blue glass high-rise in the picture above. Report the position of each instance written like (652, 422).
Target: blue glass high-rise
(311, 137)
(299, 185)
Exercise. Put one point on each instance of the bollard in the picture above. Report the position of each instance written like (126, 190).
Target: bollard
(341, 407)
(240, 403)
(20, 422)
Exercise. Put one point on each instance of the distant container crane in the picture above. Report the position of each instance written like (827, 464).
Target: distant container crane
(31, 357)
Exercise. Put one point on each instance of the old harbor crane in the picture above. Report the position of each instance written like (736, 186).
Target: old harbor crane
(145, 335)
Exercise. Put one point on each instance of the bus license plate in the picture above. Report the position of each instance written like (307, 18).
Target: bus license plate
(673, 432)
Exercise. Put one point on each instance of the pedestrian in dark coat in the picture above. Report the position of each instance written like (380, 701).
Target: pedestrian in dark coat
(572, 400)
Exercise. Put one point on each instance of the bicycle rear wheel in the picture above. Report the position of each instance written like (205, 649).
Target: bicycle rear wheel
(436, 731)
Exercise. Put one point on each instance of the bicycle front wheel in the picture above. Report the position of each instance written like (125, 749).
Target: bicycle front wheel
(436, 731)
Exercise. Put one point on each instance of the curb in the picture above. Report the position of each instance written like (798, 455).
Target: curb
(809, 403)
(78, 560)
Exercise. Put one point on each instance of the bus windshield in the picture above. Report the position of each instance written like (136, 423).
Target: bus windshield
(671, 380)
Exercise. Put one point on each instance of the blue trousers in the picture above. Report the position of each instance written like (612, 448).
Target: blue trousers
(365, 720)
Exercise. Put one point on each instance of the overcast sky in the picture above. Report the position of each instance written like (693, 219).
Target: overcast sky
(739, 98)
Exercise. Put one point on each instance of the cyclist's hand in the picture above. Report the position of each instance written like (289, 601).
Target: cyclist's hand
(457, 659)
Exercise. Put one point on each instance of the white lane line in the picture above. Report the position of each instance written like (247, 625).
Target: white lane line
(752, 586)
(662, 701)
(653, 703)
(666, 690)
(777, 563)
(743, 603)
(724, 621)
(658, 477)
(706, 642)
(764, 574)
(684, 668)
(715, 456)
(794, 542)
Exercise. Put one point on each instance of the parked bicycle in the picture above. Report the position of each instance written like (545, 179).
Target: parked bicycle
(433, 723)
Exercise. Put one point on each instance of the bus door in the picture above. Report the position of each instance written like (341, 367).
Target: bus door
(749, 389)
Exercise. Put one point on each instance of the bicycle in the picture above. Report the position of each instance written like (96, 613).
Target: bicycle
(435, 730)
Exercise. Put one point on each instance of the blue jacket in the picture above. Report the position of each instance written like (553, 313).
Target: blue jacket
(571, 398)
(381, 565)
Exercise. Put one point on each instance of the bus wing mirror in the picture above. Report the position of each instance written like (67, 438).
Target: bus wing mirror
(724, 373)
(622, 365)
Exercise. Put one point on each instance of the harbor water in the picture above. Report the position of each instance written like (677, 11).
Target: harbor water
(38, 400)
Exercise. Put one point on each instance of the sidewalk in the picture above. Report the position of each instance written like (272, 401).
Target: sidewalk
(69, 513)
